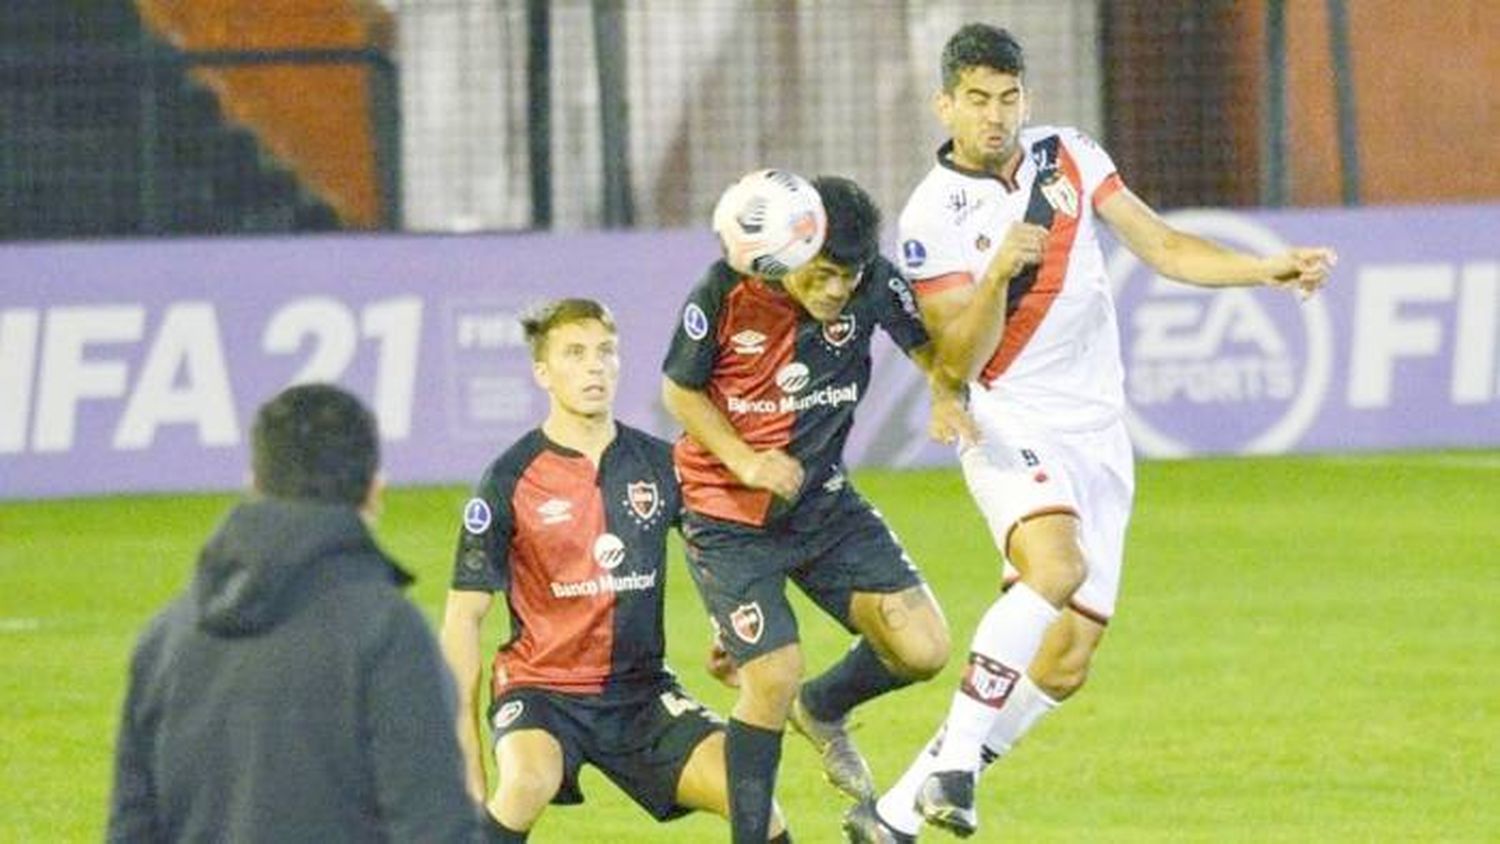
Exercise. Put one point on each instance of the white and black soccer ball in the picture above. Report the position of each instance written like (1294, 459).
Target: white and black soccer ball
(770, 222)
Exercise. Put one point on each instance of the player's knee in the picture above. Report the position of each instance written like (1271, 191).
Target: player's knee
(923, 656)
(523, 795)
(770, 682)
(1050, 556)
(1057, 575)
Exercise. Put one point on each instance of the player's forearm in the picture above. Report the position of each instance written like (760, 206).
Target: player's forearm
(460, 643)
(972, 334)
(1194, 260)
(704, 422)
(939, 379)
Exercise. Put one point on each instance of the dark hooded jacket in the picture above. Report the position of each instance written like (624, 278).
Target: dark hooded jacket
(292, 693)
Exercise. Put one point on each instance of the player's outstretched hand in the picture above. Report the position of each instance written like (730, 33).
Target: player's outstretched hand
(1022, 247)
(950, 421)
(772, 470)
(1304, 269)
(721, 667)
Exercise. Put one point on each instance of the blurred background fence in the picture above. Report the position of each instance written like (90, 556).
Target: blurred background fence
(144, 117)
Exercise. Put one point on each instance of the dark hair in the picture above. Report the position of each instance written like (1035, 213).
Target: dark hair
(540, 320)
(315, 442)
(981, 45)
(853, 222)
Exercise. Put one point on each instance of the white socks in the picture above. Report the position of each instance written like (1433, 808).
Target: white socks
(897, 807)
(1026, 706)
(1009, 635)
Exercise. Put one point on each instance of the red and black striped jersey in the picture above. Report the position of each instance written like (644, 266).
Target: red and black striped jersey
(783, 379)
(580, 553)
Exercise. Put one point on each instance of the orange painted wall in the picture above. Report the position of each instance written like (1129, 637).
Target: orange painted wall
(315, 119)
(1427, 106)
(1426, 99)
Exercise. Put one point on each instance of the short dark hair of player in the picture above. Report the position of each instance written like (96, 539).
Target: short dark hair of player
(981, 45)
(315, 442)
(539, 321)
(853, 222)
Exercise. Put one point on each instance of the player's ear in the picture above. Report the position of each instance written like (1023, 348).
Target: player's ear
(942, 106)
(539, 373)
(370, 508)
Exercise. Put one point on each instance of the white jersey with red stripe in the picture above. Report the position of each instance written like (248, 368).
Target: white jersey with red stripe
(1058, 361)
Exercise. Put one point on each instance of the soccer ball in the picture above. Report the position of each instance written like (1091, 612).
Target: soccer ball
(770, 222)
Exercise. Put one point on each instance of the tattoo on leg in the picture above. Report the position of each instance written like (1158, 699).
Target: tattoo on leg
(893, 613)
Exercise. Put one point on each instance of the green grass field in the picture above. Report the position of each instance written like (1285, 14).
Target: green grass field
(1306, 650)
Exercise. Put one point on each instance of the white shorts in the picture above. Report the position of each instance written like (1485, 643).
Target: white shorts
(1020, 470)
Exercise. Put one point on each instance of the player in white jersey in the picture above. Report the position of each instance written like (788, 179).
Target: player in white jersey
(1000, 243)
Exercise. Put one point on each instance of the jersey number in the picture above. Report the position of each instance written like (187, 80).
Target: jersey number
(677, 704)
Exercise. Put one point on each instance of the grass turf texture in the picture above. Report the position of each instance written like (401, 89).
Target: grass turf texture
(1305, 651)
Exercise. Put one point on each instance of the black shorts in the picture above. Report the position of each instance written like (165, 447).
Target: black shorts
(641, 742)
(831, 547)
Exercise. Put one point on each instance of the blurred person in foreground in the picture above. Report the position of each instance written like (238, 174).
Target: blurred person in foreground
(765, 375)
(293, 693)
(571, 524)
(999, 241)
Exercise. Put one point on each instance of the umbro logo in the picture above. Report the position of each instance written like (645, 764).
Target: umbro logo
(748, 342)
(555, 511)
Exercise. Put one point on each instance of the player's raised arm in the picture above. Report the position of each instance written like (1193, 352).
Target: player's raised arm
(463, 622)
(967, 317)
(772, 470)
(1188, 258)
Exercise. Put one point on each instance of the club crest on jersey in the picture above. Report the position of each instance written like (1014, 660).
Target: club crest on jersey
(508, 713)
(644, 499)
(477, 516)
(840, 331)
(748, 622)
(982, 243)
(609, 551)
(694, 321)
(1060, 194)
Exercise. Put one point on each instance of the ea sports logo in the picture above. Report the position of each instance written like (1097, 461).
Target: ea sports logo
(1236, 370)
(609, 551)
(792, 378)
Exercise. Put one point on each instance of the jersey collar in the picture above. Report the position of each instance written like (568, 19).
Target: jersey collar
(945, 159)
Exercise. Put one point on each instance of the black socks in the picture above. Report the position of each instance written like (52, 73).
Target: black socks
(751, 755)
(856, 678)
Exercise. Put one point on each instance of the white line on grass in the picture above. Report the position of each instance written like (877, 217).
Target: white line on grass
(19, 625)
(1483, 462)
